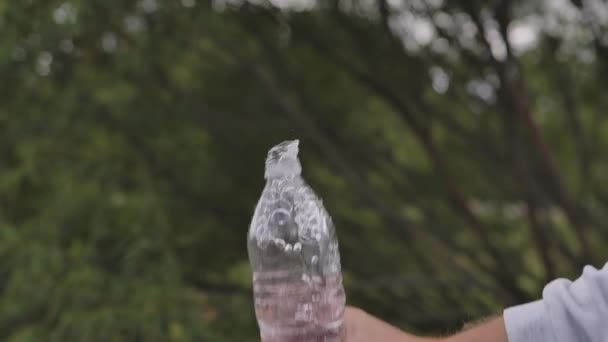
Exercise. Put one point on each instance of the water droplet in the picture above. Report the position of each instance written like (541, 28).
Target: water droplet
(280, 243)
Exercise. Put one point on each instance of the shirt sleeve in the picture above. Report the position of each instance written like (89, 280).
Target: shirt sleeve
(569, 311)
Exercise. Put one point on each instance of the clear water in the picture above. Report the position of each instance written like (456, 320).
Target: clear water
(293, 250)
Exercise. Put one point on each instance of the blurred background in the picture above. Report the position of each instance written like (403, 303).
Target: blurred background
(459, 145)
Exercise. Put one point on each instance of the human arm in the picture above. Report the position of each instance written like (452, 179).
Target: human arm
(490, 330)
(569, 311)
(363, 327)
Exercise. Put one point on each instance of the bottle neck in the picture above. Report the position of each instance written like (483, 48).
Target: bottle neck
(285, 169)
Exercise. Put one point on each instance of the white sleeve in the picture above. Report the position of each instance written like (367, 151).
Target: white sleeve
(569, 311)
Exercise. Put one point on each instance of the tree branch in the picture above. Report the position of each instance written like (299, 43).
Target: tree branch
(423, 133)
(513, 93)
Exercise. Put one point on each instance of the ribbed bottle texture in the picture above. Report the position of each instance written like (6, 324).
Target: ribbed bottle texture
(293, 250)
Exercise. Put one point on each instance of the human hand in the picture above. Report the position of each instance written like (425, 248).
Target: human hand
(363, 327)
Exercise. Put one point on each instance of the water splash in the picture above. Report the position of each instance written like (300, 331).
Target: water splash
(282, 160)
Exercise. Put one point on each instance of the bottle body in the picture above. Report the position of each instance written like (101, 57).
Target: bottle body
(293, 250)
(291, 309)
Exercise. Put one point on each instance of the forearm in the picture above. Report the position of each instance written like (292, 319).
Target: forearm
(362, 327)
(491, 330)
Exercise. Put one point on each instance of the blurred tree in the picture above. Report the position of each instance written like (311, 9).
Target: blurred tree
(457, 144)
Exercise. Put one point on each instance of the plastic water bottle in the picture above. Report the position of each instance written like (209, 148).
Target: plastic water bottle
(293, 249)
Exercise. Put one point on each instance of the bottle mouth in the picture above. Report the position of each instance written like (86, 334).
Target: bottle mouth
(282, 160)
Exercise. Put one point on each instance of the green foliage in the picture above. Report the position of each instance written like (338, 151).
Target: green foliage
(133, 136)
